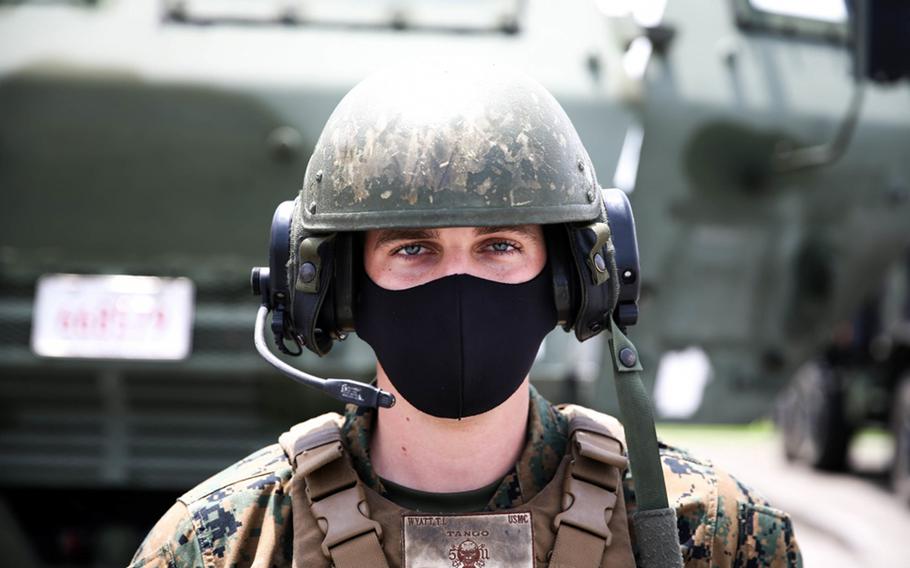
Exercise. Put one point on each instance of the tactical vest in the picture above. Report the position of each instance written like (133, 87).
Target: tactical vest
(578, 520)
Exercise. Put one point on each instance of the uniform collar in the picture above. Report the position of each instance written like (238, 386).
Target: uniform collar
(544, 447)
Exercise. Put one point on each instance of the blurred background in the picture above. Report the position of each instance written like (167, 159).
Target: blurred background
(144, 145)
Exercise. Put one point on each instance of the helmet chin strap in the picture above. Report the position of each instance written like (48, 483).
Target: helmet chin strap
(345, 390)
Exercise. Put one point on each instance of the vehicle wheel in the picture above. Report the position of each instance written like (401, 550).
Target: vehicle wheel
(900, 417)
(811, 414)
(793, 431)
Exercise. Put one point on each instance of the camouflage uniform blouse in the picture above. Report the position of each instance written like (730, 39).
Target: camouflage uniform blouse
(242, 515)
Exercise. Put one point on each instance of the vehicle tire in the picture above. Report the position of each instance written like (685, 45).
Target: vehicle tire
(813, 419)
(900, 426)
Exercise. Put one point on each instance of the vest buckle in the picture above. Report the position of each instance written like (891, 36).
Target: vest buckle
(342, 516)
(587, 507)
(592, 484)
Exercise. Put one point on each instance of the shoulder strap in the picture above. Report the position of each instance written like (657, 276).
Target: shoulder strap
(654, 521)
(333, 493)
(586, 527)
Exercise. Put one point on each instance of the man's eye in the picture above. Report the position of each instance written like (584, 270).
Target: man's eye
(503, 247)
(411, 250)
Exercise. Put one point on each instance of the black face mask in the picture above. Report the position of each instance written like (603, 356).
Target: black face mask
(460, 345)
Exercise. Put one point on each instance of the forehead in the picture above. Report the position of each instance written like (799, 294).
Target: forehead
(383, 236)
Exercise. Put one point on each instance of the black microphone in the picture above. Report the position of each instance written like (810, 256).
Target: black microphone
(345, 390)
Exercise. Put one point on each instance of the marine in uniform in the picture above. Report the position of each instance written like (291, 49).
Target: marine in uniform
(452, 218)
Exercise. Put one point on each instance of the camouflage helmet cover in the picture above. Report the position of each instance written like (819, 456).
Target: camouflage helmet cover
(455, 146)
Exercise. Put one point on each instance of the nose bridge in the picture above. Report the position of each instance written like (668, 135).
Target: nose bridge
(457, 259)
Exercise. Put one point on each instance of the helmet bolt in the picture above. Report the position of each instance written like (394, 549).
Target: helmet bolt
(590, 196)
(319, 176)
(599, 263)
(312, 208)
(628, 357)
(307, 272)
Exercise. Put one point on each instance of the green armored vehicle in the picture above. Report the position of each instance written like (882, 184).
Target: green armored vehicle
(861, 379)
(144, 146)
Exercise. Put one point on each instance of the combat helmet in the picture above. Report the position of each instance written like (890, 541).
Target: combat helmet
(447, 146)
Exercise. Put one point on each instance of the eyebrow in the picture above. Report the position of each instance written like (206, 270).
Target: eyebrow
(392, 235)
(525, 230)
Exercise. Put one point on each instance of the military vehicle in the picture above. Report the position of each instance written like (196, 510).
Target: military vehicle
(762, 223)
(144, 146)
(861, 379)
(858, 372)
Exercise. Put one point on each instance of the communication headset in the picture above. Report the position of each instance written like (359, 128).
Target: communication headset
(308, 287)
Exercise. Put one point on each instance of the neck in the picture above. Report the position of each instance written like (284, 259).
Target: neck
(423, 452)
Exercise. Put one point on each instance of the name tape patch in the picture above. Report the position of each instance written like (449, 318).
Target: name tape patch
(486, 540)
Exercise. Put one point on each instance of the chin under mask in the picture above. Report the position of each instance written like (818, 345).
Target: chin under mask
(460, 345)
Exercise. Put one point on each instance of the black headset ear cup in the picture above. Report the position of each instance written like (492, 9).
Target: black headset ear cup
(279, 297)
(596, 295)
(341, 291)
(625, 244)
(348, 265)
(279, 252)
(604, 256)
(312, 304)
(562, 270)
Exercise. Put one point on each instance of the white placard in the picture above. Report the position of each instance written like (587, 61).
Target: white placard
(823, 10)
(113, 317)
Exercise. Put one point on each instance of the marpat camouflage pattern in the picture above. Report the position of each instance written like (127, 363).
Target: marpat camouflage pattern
(242, 516)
